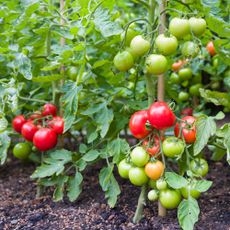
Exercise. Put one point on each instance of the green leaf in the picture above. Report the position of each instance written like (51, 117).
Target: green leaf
(218, 154)
(4, 145)
(82, 148)
(219, 116)
(227, 144)
(205, 128)
(201, 185)
(175, 181)
(58, 192)
(74, 186)
(48, 78)
(3, 124)
(92, 136)
(187, 213)
(91, 155)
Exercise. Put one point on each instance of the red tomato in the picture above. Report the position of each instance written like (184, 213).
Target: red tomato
(49, 109)
(18, 122)
(35, 115)
(188, 133)
(28, 130)
(177, 65)
(210, 48)
(161, 116)
(57, 124)
(137, 124)
(152, 146)
(187, 112)
(45, 139)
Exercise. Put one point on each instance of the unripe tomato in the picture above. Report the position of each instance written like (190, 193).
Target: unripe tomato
(137, 176)
(197, 25)
(179, 27)
(139, 45)
(137, 124)
(152, 195)
(173, 147)
(189, 133)
(22, 150)
(72, 72)
(156, 64)
(152, 146)
(152, 184)
(45, 139)
(18, 122)
(123, 61)
(190, 49)
(194, 89)
(139, 156)
(185, 74)
(199, 166)
(161, 184)
(161, 116)
(123, 169)
(210, 48)
(185, 83)
(49, 109)
(183, 96)
(174, 78)
(57, 124)
(28, 130)
(154, 170)
(170, 198)
(131, 33)
(193, 193)
(215, 85)
(166, 45)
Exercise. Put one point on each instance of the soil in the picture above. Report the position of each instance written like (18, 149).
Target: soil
(20, 210)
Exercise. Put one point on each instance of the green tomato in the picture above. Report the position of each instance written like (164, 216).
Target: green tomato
(215, 61)
(197, 79)
(215, 85)
(170, 198)
(152, 195)
(156, 64)
(166, 45)
(197, 25)
(131, 33)
(194, 89)
(72, 72)
(123, 61)
(22, 150)
(199, 166)
(185, 74)
(123, 169)
(183, 96)
(185, 83)
(137, 176)
(190, 49)
(161, 184)
(139, 156)
(174, 78)
(179, 27)
(173, 147)
(139, 45)
(193, 193)
(152, 184)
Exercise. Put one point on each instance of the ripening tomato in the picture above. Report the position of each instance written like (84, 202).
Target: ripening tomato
(123, 169)
(22, 150)
(179, 27)
(49, 109)
(156, 64)
(45, 139)
(197, 25)
(28, 130)
(177, 65)
(123, 61)
(199, 166)
(161, 116)
(57, 124)
(137, 176)
(173, 147)
(139, 156)
(189, 133)
(139, 46)
(154, 170)
(186, 112)
(152, 146)
(211, 48)
(137, 124)
(166, 45)
(170, 198)
(18, 122)
(190, 49)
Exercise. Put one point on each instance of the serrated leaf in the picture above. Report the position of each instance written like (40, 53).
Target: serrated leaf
(4, 145)
(91, 155)
(74, 186)
(175, 181)
(3, 124)
(59, 190)
(201, 185)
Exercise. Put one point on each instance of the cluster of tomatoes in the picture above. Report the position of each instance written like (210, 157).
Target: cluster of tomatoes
(144, 165)
(42, 128)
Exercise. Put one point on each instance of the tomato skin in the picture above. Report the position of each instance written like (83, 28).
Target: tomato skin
(137, 124)
(154, 170)
(185, 74)
(188, 133)
(199, 166)
(211, 48)
(45, 139)
(187, 112)
(156, 64)
(161, 116)
(72, 72)
(18, 122)
(57, 124)
(152, 148)
(166, 45)
(197, 25)
(194, 89)
(123, 61)
(49, 109)
(137, 176)
(139, 46)
(179, 27)
(22, 150)
(123, 169)
(177, 65)
(170, 198)
(139, 156)
(190, 49)
(183, 96)
(193, 193)
(34, 116)
(28, 130)
(152, 195)
(161, 184)
(131, 33)
(174, 78)
(173, 147)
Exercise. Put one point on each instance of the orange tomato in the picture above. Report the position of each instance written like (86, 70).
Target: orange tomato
(210, 48)
(154, 170)
(177, 65)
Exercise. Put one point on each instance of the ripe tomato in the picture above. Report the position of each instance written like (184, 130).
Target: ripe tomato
(28, 130)
(18, 122)
(123, 169)
(166, 45)
(193, 193)
(57, 124)
(153, 195)
(137, 124)
(161, 116)
(161, 184)
(152, 146)
(45, 139)
(174, 78)
(177, 65)
(183, 96)
(49, 109)
(170, 198)
(137, 176)
(197, 25)
(139, 46)
(139, 156)
(190, 49)
(156, 64)
(123, 61)
(186, 112)
(34, 116)
(179, 27)
(188, 133)
(154, 170)
(194, 89)
(185, 74)
(22, 150)
(173, 147)
(211, 48)
(199, 166)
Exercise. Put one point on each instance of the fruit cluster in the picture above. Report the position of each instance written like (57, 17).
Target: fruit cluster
(42, 128)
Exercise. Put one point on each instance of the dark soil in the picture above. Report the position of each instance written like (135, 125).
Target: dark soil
(20, 210)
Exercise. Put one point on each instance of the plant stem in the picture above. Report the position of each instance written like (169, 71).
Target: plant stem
(32, 99)
(150, 88)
